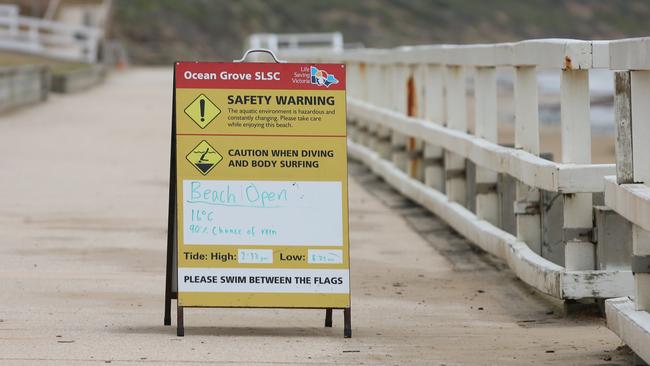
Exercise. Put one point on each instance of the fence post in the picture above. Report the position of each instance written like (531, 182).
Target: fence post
(434, 111)
(640, 120)
(337, 42)
(527, 138)
(358, 73)
(485, 95)
(356, 132)
(384, 146)
(398, 140)
(457, 120)
(623, 131)
(371, 80)
(579, 251)
(415, 168)
(12, 16)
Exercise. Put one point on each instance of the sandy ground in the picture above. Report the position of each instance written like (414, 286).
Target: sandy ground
(83, 190)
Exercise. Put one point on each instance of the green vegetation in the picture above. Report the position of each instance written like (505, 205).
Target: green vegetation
(162, 31)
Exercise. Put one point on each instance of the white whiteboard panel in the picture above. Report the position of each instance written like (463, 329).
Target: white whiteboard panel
(288, 213)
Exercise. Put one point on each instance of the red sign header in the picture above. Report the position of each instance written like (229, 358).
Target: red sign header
(253, 75)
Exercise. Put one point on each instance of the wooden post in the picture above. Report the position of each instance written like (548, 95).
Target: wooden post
(359, 133)
(579, 251)
(384, 146)
(640, 90)
(641, 250)
(485, 94)
(361, 93)
(414, 148)
(623, 131)
(354, 125)
(434, 111)
(373, 92)
(640, 117)
(398, 91)
(457, 120)
(527, 138)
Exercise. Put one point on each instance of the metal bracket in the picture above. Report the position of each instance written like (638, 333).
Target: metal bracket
(526, 208)
(578, 234)
(485, 188)
(641, 264)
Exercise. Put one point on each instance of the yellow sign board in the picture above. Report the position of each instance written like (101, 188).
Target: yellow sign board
(261, 185)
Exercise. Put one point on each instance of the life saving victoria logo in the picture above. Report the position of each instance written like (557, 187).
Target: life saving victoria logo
(322, 77)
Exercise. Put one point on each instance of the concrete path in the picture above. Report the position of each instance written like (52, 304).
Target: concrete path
(83, 200)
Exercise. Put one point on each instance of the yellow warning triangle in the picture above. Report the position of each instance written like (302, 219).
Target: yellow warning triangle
(204, 157)
(202, 111)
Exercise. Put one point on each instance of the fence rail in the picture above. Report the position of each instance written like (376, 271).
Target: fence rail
(408, 121)
(296, 41)
(47, 38)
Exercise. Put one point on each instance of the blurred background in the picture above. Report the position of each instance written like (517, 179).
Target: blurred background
(78, 41)
(161, 31)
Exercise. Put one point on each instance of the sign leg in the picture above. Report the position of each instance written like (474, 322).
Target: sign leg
(180, 327)
(171, 216)
(168, 309)
(169, 278)
(347, 319)
(328, 318)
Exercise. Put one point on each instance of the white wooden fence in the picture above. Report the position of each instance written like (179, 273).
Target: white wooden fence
(408, 121)
(628, 193)
(47, 38)
(296, 41)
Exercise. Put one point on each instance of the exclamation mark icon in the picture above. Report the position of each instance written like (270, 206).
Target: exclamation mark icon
(202, 107)
(201, 111)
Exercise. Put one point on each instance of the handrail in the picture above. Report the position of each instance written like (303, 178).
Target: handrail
(276, 42)
(526, 167)
(543, 53)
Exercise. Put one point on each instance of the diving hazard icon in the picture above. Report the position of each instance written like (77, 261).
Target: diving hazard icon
(204, 157)
(202, 111)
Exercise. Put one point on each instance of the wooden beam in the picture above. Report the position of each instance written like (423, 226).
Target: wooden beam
(399, 104)
(457, 120)
(527, 138)
(623, 130)
(434, 112)
(485, 96)
(640, 92)
(576, 148)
